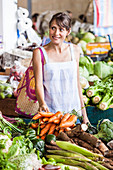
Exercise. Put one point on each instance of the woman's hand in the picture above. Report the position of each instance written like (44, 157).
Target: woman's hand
(43, 107)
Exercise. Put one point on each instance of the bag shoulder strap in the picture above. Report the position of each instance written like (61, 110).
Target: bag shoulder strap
(42, 58)
(30, 67)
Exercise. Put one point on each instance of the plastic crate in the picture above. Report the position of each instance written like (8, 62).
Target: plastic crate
(95, 114)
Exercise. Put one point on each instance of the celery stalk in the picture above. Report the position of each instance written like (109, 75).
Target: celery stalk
(106, 101)
(96, 99)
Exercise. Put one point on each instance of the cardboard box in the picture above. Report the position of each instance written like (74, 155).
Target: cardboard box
(7, 107)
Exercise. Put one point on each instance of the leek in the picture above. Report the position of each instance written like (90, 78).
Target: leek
(72, 155)
(75, 148)
(69, 161)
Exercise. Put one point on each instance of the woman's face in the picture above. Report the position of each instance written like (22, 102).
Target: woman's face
(57, 34)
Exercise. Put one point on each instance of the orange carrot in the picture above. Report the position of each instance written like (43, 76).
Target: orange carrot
(56, 116)
(43, 137)
(41, 121)
(67, 128)
(37, 137)
(37, 116)
(57, 121)
(42, 126)
(72, 126)
(52, 128)
(61, 130)
(45, 129)
(65, 117)
(56, 133)
(72, 119)
(57, 127)
(34, 125)
(45, 119)
(46, 114)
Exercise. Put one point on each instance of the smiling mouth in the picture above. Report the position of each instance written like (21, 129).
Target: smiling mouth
(56, 38)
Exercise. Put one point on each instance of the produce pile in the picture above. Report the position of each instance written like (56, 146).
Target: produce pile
(100, 74)
(79, 148)
(83, 38)
(72, 149)
(5, 90)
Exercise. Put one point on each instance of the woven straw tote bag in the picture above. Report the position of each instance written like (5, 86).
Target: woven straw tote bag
(26, 102)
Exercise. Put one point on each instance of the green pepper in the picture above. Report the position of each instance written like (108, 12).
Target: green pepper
(50, 138)
(39, 144)
(30, 133)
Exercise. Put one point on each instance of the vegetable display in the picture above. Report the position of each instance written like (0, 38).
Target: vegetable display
(105, 131)
(100, 94)
(50, 123)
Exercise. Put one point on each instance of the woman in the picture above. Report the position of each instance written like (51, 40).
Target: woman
(57, 87)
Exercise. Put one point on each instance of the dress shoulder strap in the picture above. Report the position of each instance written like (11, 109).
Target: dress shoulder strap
(44, 53)
(72, 51)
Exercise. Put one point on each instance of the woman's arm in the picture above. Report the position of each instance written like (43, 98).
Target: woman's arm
(84, 114)
(39, 90)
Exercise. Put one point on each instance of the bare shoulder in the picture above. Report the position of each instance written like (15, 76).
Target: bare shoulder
(36, 53)
(36, 50)
(76, 48)
(76, 52)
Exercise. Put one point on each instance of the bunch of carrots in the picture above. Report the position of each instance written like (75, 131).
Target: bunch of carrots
(50, 123)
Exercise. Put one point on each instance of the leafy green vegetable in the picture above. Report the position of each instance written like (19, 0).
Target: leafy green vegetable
(100, 39)
(105, 132)
(30, 133)
(13, 127)
(26, 161)
(88, 63)
(13, 150)
(88, 37)
(83, 72)
(102, 69)
(24, 144)
(5, 164)
(83, 45)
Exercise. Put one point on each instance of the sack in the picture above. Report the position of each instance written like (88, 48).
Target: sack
(26, 103)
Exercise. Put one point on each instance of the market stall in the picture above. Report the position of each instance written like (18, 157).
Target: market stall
(58, 141)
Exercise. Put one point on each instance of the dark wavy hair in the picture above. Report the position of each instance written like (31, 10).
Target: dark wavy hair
(62, 20)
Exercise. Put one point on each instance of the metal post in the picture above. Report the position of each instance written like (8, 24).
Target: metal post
(29, 7)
